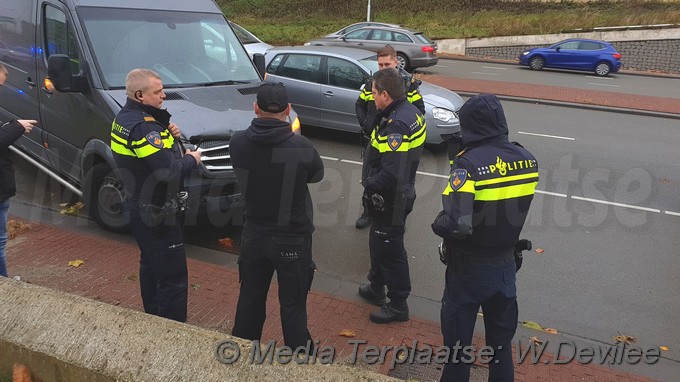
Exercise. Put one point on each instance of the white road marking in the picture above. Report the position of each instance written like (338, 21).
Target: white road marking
(351, 161)
(551, 193)
(611, 86)
(547, 136)
(487, 74)
(615, 204)
(431, 174)
(601, 78)
(494, 68)
(442, 66)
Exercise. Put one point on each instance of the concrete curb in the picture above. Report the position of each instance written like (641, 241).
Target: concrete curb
(60, 336)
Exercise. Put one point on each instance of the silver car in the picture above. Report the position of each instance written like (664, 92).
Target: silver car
(323, 85)
(250, 42)
(354, 26)
(414, 50)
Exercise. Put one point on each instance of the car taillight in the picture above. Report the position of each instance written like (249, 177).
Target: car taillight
(428, 49)
(617, 55)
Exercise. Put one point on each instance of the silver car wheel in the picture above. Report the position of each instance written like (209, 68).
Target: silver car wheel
(536, 63)
(402, 62)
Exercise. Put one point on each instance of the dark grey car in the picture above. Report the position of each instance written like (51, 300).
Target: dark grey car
(323, 84)
(414, 50)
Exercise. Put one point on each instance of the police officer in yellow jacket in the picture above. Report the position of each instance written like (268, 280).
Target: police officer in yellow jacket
(486, 203)
(390, 165)
(366, 110)
(151, 166)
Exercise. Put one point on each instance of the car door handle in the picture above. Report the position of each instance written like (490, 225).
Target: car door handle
(48, 91)
(328, 94)
(30, 82)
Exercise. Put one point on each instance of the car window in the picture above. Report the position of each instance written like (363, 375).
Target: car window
(423, 39)
(275, 64)
(381, 35)
(589, 45)
(569, 45)
(400, 37)
(60, 38)
(361, 34)
(345, 74)
(243, 35)
(303, 67)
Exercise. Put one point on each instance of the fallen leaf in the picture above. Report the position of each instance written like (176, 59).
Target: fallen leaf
(226, 242)
(664, 348)
(195, 286)
(63, 204)
(535, 340)
(401, 355)
(348, 333)
(664, 180)
(550, 330)
(16, 228)
(540, 250)
(531, 325)
(72, 210)
(624, 339)
(76, 263)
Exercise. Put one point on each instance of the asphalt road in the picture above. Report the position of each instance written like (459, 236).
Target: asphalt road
(616, 82)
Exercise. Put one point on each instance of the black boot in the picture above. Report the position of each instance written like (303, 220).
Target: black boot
(363, 221)
(375, 296)
(390, 313)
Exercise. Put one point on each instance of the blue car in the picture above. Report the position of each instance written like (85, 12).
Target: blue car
(575, 54)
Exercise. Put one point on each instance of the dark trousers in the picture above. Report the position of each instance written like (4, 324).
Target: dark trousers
(163, 276)
(491, 286)
(389, 261)
(291, 258)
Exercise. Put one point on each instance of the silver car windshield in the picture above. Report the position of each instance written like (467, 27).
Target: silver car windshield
(184, 48)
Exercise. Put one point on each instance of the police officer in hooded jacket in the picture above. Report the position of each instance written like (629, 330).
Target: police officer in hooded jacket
(485, 205)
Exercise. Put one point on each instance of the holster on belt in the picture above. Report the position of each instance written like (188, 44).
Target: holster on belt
(155, 215)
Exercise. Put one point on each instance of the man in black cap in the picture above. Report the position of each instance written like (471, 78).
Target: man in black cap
(273, 167)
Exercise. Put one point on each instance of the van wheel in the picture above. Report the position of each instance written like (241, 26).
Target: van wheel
(602, 69)
(104, 198)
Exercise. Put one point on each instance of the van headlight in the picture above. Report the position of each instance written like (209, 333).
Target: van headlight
(444, 115)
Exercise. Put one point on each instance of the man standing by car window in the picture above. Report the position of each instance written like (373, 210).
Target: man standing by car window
(390, 165)
(9, 132)
(151, 166)
(486, 203)
(366, 110)
(273, 167)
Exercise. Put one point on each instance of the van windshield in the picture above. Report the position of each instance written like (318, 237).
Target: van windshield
(184, 48)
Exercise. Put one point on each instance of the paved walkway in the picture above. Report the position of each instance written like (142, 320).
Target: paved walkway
(41, 256)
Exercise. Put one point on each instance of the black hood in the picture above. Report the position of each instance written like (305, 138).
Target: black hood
(481, 119)
(268, 131)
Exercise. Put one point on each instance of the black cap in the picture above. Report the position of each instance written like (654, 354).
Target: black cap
(272, 97)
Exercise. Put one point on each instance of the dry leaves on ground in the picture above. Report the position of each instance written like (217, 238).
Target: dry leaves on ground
(71, 210)
(531, 325)
(536, 340)
(348, 333)
(621, 338)
(540, 250)
(76, 263)
(16, 228)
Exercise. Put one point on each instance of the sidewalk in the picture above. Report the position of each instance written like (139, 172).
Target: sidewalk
(41, 256)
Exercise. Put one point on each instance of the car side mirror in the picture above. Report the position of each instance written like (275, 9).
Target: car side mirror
(59, 73)
(558, 49)
(258, 60)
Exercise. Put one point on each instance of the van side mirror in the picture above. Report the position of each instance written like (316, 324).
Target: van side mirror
(258, 60)
(59, 72)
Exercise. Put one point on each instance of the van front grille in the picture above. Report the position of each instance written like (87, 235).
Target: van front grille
(215, 155)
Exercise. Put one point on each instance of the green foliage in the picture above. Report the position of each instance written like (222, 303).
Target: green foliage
(293, 22)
